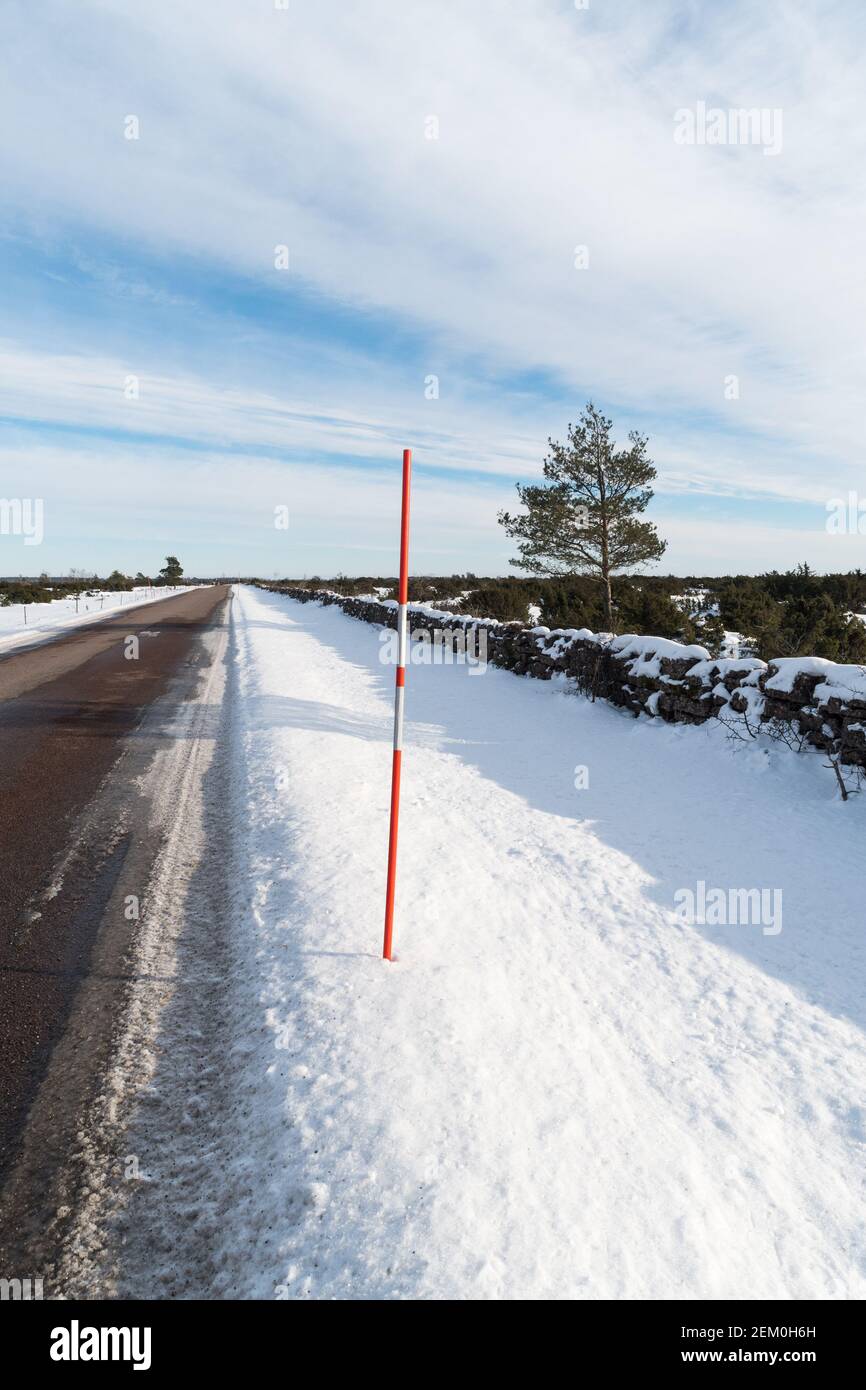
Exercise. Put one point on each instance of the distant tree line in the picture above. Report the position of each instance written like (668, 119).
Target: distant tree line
(45, 588)
(795, 613)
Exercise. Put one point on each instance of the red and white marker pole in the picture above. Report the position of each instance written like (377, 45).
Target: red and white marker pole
(399, 693)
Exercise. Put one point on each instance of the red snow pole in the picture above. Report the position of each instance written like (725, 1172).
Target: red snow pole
(399, 691)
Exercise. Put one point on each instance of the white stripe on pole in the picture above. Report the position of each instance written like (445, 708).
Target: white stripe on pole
(398, 720)
(402, 626)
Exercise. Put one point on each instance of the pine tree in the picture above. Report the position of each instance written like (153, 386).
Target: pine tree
(172, 570)
(117, 581)
(586, 518)
(815, 626)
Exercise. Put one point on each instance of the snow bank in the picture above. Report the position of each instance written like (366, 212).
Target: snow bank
(558, 1090)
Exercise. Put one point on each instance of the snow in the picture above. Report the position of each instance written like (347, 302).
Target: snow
(45, 619)
(559, 1089)
(723, 665)
(644, 648)
(844, 682)
(645, 653)
(466, 619)
(753, 701)
(563, 638)
(427, 610)
(788, 668)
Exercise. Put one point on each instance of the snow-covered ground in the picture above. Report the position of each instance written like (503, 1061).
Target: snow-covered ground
(23, 625)
(560, 1088)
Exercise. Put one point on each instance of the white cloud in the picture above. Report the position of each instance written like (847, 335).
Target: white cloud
(110, 504)
(556, 128)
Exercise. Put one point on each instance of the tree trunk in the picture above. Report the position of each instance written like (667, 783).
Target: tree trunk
(608, 603)
(605, 554)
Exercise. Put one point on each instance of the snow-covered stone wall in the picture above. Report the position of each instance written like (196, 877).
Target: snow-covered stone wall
(820, 701)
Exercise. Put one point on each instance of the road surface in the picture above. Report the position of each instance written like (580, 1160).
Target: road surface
(80, 722)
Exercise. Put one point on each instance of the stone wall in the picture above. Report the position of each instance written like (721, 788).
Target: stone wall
(813, 700)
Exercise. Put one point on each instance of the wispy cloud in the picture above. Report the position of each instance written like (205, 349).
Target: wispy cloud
(307, 127)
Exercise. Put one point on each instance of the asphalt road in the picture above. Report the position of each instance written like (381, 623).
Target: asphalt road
(69, 844)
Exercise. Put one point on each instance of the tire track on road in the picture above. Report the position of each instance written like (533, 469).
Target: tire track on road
(78, 843)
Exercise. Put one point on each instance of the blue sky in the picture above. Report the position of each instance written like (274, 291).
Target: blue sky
(166, 386)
